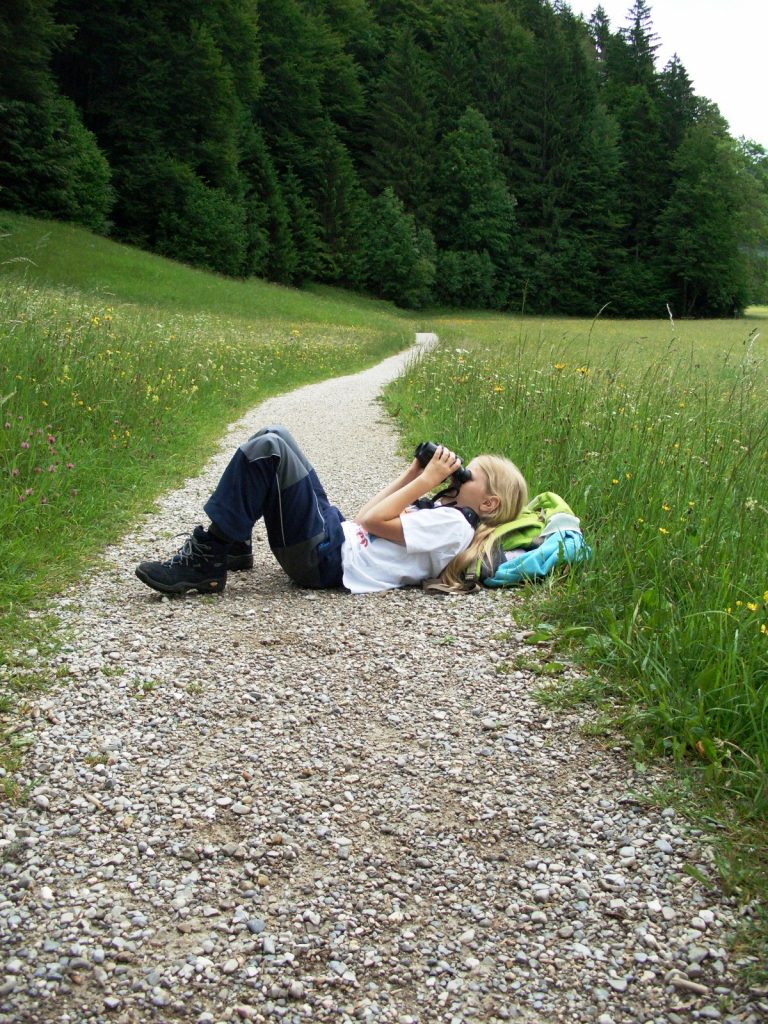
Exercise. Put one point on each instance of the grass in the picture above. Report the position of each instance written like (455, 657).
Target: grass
(119, 371)
(657, 435)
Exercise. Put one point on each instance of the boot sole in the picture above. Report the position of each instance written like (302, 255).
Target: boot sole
(201, 586)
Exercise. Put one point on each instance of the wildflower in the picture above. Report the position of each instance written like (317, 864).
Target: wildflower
(764, 628)
(51, 439)
(7, 426)
(15, 471)
(560, 366)
(667, 508)
(640, 519)
(44, 403)
(614, 481)
(739, 604)
(662, 530)
(53, 467)
(752, 606)
(25, 444)
(582, 370)
(43, 501)
(628, 476)
(729, 609)
(70, 465)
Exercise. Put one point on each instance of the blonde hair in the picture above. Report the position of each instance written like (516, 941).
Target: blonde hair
(508, 484)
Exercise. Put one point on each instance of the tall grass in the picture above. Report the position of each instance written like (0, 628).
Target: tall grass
(118, 371)
(661, 446)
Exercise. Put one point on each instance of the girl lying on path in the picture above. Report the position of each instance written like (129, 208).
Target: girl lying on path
(390, 543)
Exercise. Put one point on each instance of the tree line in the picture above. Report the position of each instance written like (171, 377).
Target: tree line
(504, 155)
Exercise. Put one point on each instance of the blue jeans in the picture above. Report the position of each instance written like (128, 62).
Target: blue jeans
(269, 477)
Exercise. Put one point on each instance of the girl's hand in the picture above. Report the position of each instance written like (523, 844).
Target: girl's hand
(442, 465)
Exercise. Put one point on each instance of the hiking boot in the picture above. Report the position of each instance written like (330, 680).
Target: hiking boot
(240, 556)
(199, 564)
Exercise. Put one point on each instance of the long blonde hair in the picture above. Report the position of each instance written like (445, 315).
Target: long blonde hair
(505, 481)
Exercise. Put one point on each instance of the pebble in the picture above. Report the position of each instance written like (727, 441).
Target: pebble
(333, 808)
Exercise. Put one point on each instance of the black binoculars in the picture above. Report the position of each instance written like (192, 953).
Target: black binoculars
(427, 449)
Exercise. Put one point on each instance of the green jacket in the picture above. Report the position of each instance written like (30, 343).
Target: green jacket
(526, 528)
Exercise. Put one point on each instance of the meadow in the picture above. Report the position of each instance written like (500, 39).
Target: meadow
(657, 434)
(119, 370)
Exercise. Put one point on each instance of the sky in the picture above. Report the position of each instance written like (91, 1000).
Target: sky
(722, 45)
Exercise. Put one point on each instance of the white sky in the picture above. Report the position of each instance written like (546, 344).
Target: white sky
(722, 44)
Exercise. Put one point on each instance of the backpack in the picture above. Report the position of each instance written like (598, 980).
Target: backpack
(523, 533)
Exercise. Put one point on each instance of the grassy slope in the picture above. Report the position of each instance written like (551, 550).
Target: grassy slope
(130, 360)
(66, 256)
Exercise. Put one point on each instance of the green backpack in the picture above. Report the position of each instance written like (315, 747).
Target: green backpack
(523, 532)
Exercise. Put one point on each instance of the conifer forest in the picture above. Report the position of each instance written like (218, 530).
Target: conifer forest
(506, 155)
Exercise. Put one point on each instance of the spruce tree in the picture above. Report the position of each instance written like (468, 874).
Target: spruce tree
(402, 130)
(475, 211)
(702, 228)
(50, 164)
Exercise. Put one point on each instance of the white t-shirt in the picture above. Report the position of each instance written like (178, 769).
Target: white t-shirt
(433, 536)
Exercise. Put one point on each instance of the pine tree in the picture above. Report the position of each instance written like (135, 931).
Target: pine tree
(702, 226)
(156, 87)
(50, 164)
(474, 209)
(399, 258)
(402, 130)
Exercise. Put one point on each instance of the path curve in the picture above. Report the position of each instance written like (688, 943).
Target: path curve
(288, 805)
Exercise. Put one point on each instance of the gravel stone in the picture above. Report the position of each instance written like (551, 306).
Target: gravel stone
(275, 804)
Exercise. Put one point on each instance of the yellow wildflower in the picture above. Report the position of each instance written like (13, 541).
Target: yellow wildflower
(752, 606)
(662, 530)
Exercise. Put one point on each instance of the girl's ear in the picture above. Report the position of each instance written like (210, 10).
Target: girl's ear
(490, 504)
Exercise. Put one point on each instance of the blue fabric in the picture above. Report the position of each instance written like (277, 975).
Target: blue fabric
(561, 548)
(269, 477)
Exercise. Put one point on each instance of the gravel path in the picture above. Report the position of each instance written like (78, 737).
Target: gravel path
(288, 805)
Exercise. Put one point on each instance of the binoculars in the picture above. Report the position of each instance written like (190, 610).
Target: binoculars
(427, 449)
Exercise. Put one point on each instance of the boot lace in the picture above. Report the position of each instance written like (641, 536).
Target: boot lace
(191, 551)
